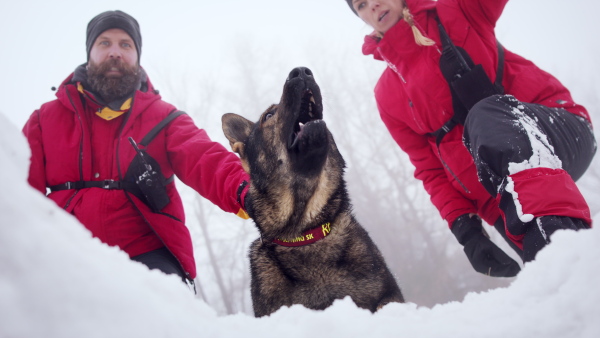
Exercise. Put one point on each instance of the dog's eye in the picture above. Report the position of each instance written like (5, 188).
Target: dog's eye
(268, 115)
(269, 112)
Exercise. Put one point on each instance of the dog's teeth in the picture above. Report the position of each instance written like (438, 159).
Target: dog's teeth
(312, 99)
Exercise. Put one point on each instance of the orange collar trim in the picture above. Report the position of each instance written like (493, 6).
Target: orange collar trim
(109, 114)
(106, 112)
(308, 237)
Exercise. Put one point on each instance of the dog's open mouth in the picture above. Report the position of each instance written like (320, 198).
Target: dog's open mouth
(309, 112)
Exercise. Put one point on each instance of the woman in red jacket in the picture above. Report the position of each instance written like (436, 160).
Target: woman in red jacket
(83, 150)
(491, 135)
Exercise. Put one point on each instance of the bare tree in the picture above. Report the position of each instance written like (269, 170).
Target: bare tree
(220, 240)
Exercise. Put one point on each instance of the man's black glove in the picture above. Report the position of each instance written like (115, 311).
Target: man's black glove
(484, 255)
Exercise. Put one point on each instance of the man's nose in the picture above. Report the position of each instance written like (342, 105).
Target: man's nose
(114, 52)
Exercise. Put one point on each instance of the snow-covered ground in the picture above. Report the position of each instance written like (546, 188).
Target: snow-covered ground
(58, 281)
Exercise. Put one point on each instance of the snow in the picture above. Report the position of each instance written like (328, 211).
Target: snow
(542, 156)
(543, 152)
(58, 281)
(510, 187)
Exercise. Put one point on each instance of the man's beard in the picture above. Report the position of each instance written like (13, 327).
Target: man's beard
(113, 88)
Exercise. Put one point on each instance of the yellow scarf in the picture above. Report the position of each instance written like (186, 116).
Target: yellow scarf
(107, 113)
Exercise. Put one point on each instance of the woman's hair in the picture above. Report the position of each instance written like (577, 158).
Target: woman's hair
(419, 38)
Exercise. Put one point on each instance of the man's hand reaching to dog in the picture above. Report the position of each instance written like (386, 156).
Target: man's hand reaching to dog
(484, 255)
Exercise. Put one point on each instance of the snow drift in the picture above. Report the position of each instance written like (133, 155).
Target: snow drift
(58, 281)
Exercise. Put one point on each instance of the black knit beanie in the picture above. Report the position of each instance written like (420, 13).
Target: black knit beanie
(113, 19)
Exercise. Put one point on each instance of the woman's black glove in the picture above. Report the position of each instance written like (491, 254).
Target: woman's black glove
(484, 255)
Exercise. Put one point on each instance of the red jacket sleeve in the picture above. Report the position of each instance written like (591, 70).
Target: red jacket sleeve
(204, 165)
(482, 14)
(37, 171)
(428, 168)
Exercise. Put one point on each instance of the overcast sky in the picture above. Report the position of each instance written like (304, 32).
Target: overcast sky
(43, 41)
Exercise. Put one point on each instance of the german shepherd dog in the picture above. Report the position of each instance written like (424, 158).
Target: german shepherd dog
(311, 249)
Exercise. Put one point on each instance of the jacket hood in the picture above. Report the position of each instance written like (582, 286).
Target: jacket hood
(418, 8)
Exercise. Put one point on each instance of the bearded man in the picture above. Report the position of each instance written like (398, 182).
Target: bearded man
(88, 145)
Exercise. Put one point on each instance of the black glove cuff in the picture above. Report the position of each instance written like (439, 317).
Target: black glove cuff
(466, 227)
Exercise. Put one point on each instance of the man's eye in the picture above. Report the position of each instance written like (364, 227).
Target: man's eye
(360, 6)
(125, 45)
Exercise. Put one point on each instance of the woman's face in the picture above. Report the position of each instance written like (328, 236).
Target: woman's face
(379, 14)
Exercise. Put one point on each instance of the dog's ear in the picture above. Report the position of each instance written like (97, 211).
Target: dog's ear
(236, 129)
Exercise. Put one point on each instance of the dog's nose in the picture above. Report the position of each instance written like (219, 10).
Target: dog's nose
(301, 72)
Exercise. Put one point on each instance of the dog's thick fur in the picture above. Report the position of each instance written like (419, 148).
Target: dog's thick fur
(296, 185)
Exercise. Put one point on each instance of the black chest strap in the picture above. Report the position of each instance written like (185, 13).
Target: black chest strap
(120, 185)
(152, 133)
(456, 66)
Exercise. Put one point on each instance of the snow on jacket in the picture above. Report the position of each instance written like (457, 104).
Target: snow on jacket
(69, 143)
(414, 99)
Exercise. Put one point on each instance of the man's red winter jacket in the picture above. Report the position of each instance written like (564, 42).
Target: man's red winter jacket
(69, 143)
(414, 99)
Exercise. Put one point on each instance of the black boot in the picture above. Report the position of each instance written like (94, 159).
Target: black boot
(539, 232)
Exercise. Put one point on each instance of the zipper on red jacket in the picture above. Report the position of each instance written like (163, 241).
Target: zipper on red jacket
(410, 103)
(395, 69)
(187, 275)
(391, 65)
(80, 146)
(128, 114)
